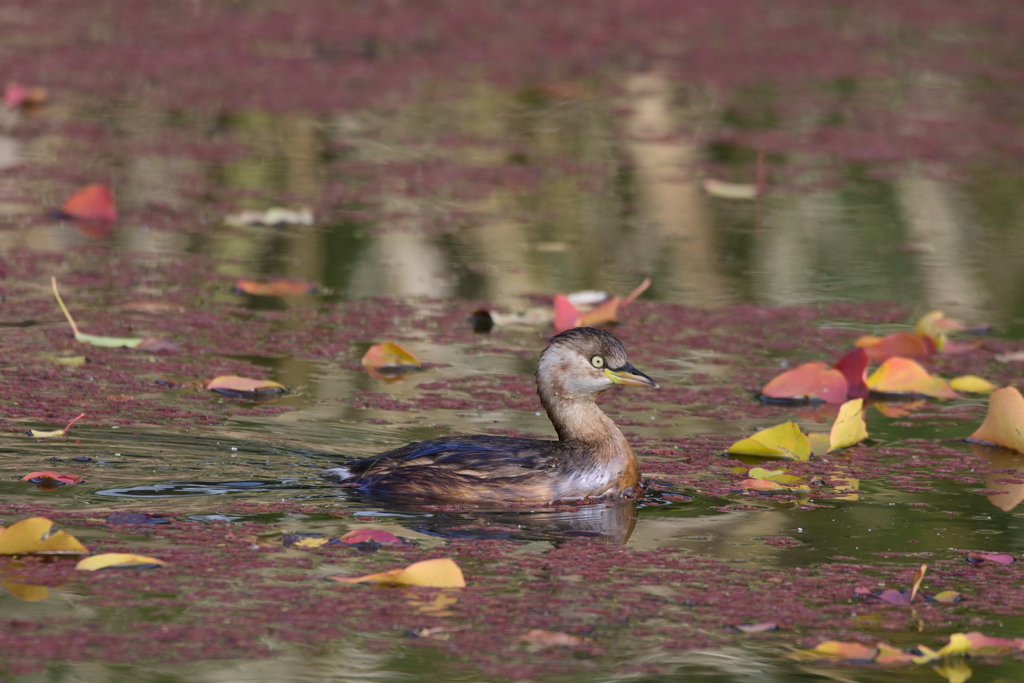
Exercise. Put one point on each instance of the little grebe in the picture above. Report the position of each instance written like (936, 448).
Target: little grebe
(591, 458)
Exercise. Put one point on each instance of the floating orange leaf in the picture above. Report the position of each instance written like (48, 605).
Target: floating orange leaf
(836, 650)
(440, 573)
(781, 441)
(91, 203)
(35, 536)
(607, 312)
(810, 380)
(118, 561)
(276, 287)
(849, 427)
(904, 344)
(854, 367)
(17, 95)
(51, 480)
(903, 376)
(389, 357)
(1003, 421)
(231, 384)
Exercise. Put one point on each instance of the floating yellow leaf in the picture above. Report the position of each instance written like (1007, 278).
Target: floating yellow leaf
(311, 542)
(95, 340)
(918, 578)
(903, 376)
(972, 384)
(117, 561)
(781, 441)
(26, 592)
(440, 573)
(778, 476)
(1003, 421)
(849, 427)
(45, 433)
(35, 536)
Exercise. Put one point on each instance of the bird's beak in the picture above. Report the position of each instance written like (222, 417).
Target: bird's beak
(629, 375)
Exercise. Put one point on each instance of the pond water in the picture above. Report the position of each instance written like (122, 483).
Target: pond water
(493, 196)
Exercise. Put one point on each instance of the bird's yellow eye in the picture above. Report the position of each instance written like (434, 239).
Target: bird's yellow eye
(597, 362)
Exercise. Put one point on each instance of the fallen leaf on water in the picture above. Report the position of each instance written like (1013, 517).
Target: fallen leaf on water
(837, 650)
(92, 203)
(156, 344)
(903, 376)
(95, 340)
(118, 561)
(368, 535)
(17, 95)
(49, 434)
(234, 385)
(903, 344)
(726, 190)
(311, 542)
(757, 628)
(50, 480)
(552, 638)
(388, 354)
(781, 441)
(26, 592)
(277, 287)
(1003, 421)
(998, 558)
(972, 384)
(918, 578)
(849, 427)
(810, 380)
(947, 597)
(540, 315)
(35, 536)
(276, 216)
(854, 367)
(888, 655)
(567, 316)
(440, 573)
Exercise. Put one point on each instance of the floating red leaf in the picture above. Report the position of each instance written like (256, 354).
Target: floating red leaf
(91, 203)
(854, 367)
(368, 535)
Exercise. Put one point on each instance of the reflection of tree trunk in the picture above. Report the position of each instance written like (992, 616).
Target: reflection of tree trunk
(682, 230)
(935, 222)
(798, 228)
(401, 264)
(502, 246)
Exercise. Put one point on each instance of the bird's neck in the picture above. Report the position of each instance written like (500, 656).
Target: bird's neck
(580, 421)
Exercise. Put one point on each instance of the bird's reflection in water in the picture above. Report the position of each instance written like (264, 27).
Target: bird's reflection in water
(603, 522)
